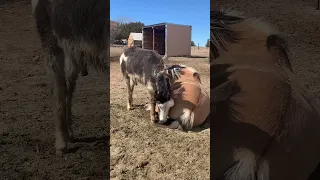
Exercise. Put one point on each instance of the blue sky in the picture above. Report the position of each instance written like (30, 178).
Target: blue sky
(195, 13)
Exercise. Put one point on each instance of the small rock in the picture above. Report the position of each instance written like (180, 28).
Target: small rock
(36, 58)
(29, 75)
(143, 164)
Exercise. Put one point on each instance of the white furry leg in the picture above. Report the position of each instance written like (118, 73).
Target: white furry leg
(247, 168)
(130, 87)
(152, 93)
(186, 119)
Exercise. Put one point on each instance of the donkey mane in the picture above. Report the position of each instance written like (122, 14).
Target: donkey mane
(221, 33)
(164, 91)
(172, 73)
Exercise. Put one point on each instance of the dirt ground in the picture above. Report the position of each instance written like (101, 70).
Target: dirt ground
(138, 149)
(26, 119)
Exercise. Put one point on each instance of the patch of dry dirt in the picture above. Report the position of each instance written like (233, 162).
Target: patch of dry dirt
(26, 119)
(139, 150)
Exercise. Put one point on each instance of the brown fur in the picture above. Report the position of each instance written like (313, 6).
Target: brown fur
(271, 129)
(188, 95)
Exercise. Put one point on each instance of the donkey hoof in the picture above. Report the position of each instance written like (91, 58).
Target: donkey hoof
(147, 107)
(61, 152)
(129, 108)
(153, 119)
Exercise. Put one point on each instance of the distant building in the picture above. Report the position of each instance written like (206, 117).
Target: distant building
(135, 39)
(167, 39)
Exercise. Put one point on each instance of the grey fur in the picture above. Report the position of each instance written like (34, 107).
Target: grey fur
(73, 33)
(141, 66)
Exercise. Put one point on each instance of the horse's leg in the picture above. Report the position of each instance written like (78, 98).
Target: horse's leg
(56, 67)
(72, 71)
(173, 124)
(186, 120)
(152, 93)
(130, 87)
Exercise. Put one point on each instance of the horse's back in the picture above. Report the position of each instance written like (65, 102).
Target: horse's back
(273, 101)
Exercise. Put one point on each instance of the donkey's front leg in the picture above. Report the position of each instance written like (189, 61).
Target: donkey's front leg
(152, 93)
(130, 87)
(56, 65)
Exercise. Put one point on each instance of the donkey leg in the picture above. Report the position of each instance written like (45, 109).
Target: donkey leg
(84, 70)
(72, 71)
(83, 65)
(152, 92)
(56, 66)
(130, 87)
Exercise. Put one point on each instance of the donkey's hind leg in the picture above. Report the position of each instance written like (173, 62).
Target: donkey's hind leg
(72, 70)
(130, 87)
(83, 64)
(56, 68)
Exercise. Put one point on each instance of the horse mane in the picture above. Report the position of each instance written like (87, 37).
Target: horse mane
(220, 31)
(174, 71)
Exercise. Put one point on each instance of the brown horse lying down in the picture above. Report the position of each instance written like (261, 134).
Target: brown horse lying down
(186, 94)
(191, 104)
(271, 129)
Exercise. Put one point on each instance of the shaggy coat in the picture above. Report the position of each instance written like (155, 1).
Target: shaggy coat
(141, 66)
(73, 33)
